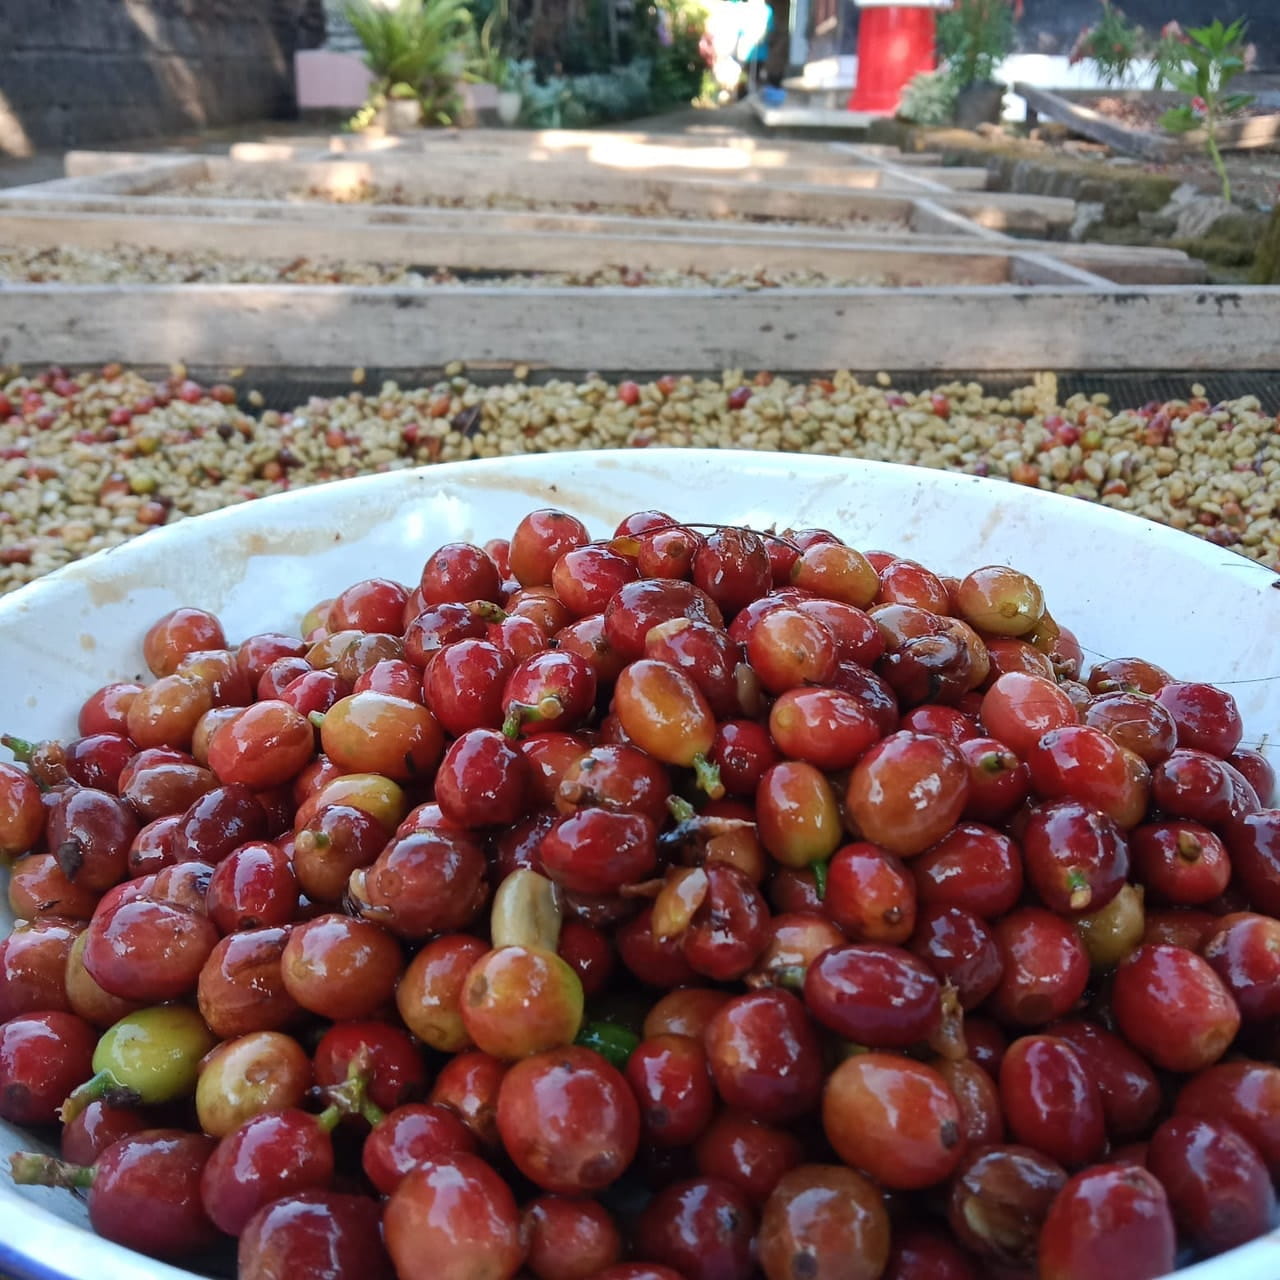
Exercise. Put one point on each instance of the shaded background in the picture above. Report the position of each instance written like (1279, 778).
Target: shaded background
(85, 72)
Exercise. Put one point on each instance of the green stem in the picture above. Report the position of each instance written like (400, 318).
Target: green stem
(103, 1087)
(680, 809)
(29, 1169)
(1211, 124)
(708, 776)
(819, 870)
(21, 748)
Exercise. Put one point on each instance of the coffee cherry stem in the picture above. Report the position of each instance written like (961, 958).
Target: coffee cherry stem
(708, 776)
(103, 1087)
(30, 1169)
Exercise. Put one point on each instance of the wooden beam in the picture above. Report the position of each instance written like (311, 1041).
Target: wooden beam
(904, 263)
(982, 328)
(373, 233)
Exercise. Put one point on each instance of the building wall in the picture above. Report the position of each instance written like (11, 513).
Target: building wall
(86, 72)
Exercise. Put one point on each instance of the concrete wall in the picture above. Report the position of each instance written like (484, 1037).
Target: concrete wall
(84, 72)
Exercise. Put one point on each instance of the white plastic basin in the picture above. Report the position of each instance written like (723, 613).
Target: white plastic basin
(1124, 585)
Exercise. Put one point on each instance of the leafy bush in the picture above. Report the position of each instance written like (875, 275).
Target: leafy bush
(422, 44)
(614, 95)
(1206, 64)
(974, 37)
(929, 98)
(1113, 44)
(670, 37)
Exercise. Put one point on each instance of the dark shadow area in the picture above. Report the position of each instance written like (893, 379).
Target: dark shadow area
(89, 72)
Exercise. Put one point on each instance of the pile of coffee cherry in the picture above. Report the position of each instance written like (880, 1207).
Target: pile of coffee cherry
(692, 904)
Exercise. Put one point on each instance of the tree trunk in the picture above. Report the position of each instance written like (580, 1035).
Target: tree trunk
(1266, 265)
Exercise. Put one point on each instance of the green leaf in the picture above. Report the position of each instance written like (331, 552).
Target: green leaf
(1180, 120)
(1238, 102)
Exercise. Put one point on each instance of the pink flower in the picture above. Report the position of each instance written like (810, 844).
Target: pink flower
(1173, 31)
(1199, 106)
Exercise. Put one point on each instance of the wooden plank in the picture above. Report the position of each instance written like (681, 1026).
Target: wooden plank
(1013, 211)
(1096, 127)
(983, 328)
(928, 217)
(350, 215)
(1040, 269)
(157, 174)
(467, 248)
(631, 235)
(1247, 133)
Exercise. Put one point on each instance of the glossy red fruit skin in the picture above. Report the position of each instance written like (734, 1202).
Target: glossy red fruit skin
(959, 949)
(765, 1056)
(596, 851)
(482, 781)
(887, 792)
(43, 1056)
(146, 1193)
(895, 1118)
(1244, 951)
(1110, 1222)
(639, 606)
(1218, 1186)
(33, 967)
(1180, 862)
(1207, 718)
(175, 942)
(1130, 1092)
(325, 1235)
(1258, 772)
(1199, 786)
(703, 1228)
(974, 867)
(922, 1253)
(569, 1238)
(453, 1219)
(1254, 844)
(824, 727)
(1079, 763)
(568, 1120)
(668, 1075)
(1050, 1101)
(824, 1222)
(1245, 1095)
(870, 894)
(1075, 857)
(1046, 967)
(882, 997)
(747, 1153)
(1171, 1006)
(408, 1135)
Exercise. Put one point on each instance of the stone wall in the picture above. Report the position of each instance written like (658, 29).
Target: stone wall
(92, 72)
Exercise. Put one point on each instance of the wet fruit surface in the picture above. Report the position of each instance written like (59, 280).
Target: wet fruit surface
(691, 903)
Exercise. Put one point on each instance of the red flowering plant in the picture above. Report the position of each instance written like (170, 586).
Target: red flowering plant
(1113, 44)
(1203, 68)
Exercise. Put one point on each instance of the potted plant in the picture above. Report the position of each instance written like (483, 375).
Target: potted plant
(491, 65)
(974, 37)
(402, 109)
(415, 49)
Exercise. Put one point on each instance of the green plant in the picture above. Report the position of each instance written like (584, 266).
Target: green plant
(668, 33)
(974, 37)
(1205, 66)
(419, 43)
(929, 98)
(1113, 44)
